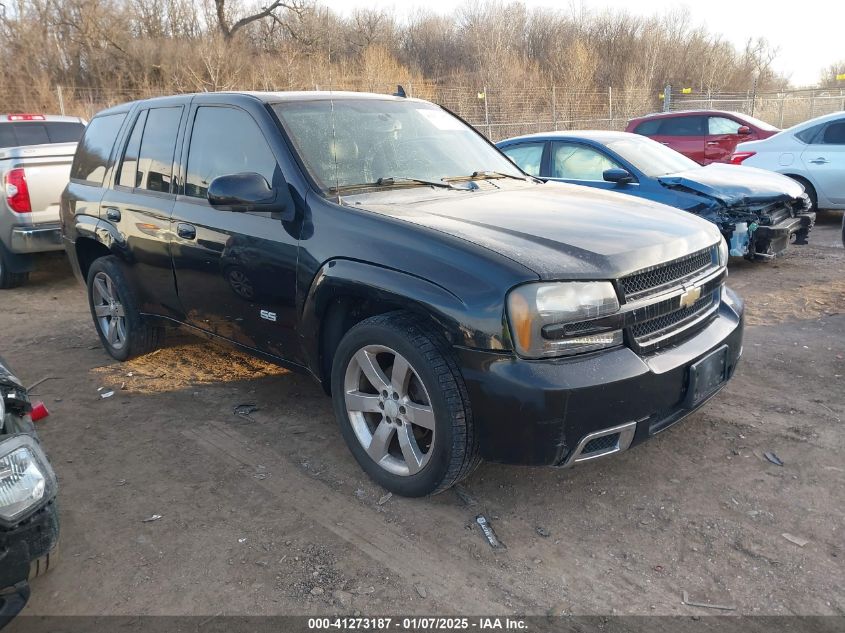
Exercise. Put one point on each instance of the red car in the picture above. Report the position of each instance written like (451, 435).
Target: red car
(706, 136)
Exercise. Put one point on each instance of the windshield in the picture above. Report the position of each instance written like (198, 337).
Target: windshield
(650, 157)
(348, 142)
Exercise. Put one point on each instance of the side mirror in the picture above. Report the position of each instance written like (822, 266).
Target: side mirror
(743, 130)
(249, 192)
(619, 176)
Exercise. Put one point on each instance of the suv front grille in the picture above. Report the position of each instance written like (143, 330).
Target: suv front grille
(649, 334)
(664, 276)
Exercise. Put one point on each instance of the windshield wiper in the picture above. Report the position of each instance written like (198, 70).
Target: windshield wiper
(483, 175)
(391, 181)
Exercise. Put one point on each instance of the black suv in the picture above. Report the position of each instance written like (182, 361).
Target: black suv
(454, 307)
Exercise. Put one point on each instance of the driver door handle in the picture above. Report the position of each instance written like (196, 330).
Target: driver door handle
(820, 161)
(186, 231)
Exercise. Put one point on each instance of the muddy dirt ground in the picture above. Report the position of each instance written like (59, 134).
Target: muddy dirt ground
(271, 515)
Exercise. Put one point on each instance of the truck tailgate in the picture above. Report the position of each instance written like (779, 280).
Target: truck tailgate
(47, 169)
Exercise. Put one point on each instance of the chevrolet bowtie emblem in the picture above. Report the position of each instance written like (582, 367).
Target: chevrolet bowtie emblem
(690, 296)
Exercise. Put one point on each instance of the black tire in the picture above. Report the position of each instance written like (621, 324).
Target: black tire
(454, 450)
(8, 279)
(140, 337)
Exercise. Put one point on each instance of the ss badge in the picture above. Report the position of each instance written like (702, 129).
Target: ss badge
(270, 316)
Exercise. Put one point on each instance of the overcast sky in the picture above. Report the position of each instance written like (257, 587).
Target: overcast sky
(809, 38)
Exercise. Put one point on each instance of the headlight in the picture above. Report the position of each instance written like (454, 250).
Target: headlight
(533, 307)
(26, 479)
(723, 252)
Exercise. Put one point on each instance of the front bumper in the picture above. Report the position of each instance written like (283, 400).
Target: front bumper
(773, 240)
(27, 549)
(546, 412)
(36, 239)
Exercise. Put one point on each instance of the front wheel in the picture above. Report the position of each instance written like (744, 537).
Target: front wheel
(402, 405)
(122, 329)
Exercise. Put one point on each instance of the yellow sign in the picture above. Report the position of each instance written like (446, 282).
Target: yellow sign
(660, 96)
(482, 95)
(686, 91)
(840, 77)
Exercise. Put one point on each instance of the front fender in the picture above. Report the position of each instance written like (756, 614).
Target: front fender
(461, 324)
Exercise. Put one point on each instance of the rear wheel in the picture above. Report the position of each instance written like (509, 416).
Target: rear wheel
(122, 330)
(402, 405)
(8, 279)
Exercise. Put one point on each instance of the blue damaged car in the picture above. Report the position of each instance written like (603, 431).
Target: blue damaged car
(758, 212)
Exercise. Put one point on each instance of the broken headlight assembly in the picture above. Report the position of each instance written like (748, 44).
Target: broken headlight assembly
(538, 314)
(26, 479)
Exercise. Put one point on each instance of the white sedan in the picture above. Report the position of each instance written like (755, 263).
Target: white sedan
(812, 153)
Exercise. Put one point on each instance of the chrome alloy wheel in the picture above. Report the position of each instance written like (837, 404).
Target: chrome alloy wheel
(389, 409)
(109, 311)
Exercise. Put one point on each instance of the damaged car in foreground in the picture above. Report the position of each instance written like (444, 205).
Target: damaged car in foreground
(29, 522)
(758, 212)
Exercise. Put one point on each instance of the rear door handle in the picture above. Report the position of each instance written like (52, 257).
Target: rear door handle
(113, 214)
(186, 231)
(712, 142)
(820, 161)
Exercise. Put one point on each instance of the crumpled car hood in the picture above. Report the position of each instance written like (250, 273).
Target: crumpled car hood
(557, 230)
(735, 185)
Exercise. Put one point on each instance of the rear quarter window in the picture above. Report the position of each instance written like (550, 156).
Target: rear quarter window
(93, 152)
(647, 128)
(807, 136)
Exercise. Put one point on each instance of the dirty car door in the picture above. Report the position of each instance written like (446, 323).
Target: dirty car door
(722, 138)
(235, 271)
(139, 205)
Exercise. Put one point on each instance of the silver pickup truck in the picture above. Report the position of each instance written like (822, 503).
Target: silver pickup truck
(36, 151)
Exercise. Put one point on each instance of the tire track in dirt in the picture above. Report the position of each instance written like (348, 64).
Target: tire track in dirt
(453, 586)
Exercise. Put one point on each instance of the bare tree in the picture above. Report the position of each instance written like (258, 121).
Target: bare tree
(272, 10)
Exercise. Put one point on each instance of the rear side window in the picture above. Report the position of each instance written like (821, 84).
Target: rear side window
(834, 134)
(682, 126)
(129, 173)
(92, 154)
(648, 128)
(155, 160)
(527, 156)
(148, 159)
(226, 141)
(23, 133)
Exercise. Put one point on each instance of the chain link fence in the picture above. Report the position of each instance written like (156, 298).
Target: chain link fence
(497, 113)
(781, 109)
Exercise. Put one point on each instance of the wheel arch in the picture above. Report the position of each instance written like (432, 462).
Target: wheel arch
(809, 187)
(345, 292)
(93, 239)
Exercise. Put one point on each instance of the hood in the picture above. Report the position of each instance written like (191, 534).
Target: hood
(557, 230)
(735, 185)
(7, 378)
